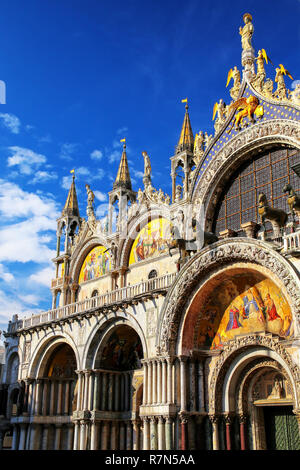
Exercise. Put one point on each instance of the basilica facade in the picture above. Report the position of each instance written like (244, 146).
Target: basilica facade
(174, 322)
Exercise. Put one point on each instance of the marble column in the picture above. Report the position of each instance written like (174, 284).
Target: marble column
(34, 441)
(114, 435)
(149, 394)
(170, 381)
(45, 437)
(228, 422)
(91, 390)
(184, 431)
(136, 435)
(153, 433)
(104, 391)
(45, 397)
(96, 397)
(52, 397)
(14, 445)
(164, 381)
(146, 433)
(201, 401)
(76, 445)
(169, 433)
(38, 395)
(57, 438)
(154, 381)
(31, 397)
(243, 421)
(110, 392)
(215, 431)
(79, 389)
(126, 391)
(145, 385)
(122, 436)
(161, 433)
(183, 383)
(159, 382)
(105, 435)
(128, 435)
(94, 435)
(86, 394)
(70, 436)
(83, 435)
(22, 440)
(67, 398)
(117, 392)
(59, 397)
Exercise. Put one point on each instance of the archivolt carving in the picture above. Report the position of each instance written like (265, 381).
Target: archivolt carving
(234, 348)
(252, 369)
(207, 260)
(267, 132)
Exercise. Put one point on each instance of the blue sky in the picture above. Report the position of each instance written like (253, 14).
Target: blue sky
(81, 75)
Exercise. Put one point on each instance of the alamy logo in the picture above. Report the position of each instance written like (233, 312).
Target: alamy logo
(2, 92)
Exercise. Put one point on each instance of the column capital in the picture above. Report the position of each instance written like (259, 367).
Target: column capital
(183, 358)
(242, 418)
(153, 419)
(214, 418)
(228, 417)
(184, 417)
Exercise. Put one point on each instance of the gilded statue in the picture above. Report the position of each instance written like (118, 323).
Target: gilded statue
(147, 165)
(247, 107)
(260, 69)
(198, 143)
(236, 76)
(219, 108)
(246, 32)
(90, 201)
(281, 92)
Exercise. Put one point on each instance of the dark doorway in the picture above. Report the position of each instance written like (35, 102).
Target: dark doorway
(281, 426)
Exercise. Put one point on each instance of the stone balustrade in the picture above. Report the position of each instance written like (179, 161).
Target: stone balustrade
(109, 298)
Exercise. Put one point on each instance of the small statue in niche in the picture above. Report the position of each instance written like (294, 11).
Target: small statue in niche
(178, 193)
(113, 254)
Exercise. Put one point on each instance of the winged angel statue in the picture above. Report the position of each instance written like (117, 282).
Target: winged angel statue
(247, 107)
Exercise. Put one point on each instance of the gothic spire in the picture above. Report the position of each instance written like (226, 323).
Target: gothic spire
(186, 140)
(123, 177)
(71, 206)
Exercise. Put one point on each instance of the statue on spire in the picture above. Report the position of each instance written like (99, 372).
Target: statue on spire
(147, 169)
(246, 32)
(90, 202)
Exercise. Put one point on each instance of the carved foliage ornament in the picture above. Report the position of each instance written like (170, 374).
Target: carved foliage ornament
(208, 260)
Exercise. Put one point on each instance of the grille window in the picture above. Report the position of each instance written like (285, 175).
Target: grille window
(267, 173)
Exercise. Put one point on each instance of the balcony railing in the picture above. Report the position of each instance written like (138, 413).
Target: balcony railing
(116, 296)
(291, 242)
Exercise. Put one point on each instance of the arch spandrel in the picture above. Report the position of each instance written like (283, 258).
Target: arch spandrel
(195, 274)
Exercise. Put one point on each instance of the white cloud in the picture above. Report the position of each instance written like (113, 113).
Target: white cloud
(96, 155)
(122, 130)
(100, 196)
(30, 299)
(43, 276)
(25, 159)
(26, 241)
(138, 174)
(5, 275)
(114, 156)
(67, 150)
(43, 176)
(102, 210)
(14, 202)
(11, 122)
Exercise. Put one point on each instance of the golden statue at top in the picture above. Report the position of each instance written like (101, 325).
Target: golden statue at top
(281, 91)
(247, 32)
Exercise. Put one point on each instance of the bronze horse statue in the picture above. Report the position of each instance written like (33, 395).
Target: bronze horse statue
(293, 201)
(182, 244)
(277, 217)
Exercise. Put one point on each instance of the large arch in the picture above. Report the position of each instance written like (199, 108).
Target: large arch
(249, 142)
(207, 262)
(106, 323)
